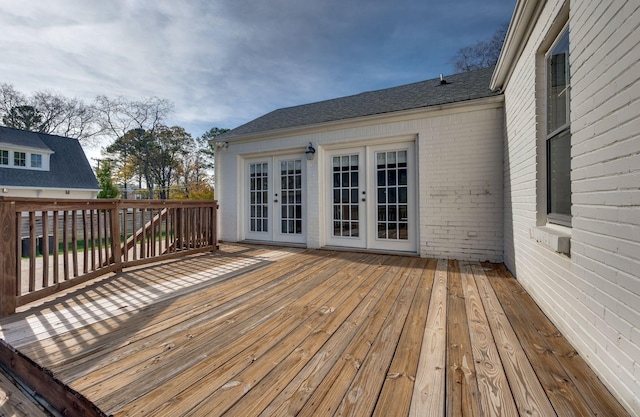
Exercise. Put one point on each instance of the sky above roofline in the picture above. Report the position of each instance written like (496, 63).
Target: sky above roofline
(223, 63)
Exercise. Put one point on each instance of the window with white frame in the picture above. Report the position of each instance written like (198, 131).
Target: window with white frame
(4, 157)
(558, 143)
(36, 160)
(19, 159)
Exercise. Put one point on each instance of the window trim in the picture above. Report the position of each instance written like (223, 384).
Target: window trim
(40, 160)
(551, 217)
(4, 157)
(17, 159)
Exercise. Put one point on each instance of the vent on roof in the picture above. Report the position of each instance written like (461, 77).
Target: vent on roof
(442, 80)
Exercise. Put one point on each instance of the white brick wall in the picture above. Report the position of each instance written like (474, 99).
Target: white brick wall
(461, 196)
(594, 295)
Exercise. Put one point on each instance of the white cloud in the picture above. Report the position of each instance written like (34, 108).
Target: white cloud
(225, 62)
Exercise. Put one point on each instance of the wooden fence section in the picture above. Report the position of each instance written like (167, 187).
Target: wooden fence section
(47, 246)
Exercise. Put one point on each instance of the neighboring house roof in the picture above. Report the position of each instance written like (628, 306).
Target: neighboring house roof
(22, 139)
(69, 167)
(458, 88)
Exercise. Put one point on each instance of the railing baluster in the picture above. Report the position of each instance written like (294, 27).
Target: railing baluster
(65, 238)
(116, 254)
(179, 238)
(152, 230)
(74, 240)
(143, 253)
(45, 248)
(167, 231)
(100, 243)
(93, 239)
(56, 248)
(32, 250)
(85, 236)
(123, 230)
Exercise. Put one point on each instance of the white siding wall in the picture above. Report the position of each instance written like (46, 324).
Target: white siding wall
(459, 176)
(49, 193)
(594, 295)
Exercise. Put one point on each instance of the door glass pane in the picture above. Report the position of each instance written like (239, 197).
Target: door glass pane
(291, 201)
(258, 190)
(391, 187)
(345, 191)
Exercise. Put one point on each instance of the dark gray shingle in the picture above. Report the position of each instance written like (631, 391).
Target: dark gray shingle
(460, 87)
(69, 166)
(21, 138)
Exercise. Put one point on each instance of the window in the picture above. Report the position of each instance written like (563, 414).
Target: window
(4, 157)
(36, 160)
(558, 132)
(19, 159)
(259, 196)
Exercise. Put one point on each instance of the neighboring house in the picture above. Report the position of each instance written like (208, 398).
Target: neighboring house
(535, 164)
(47, 166)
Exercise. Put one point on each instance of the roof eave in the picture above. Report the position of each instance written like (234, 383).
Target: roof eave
(27, 187)
(14, 146)
(336, 124)
(524, 16)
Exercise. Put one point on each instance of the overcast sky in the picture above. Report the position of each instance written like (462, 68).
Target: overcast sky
(225, 62)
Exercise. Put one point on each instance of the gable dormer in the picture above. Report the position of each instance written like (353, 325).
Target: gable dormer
(24, 158)
(22, 150)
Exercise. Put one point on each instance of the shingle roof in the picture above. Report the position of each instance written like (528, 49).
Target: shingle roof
(69, 167)
(460, 87)
(22, 138)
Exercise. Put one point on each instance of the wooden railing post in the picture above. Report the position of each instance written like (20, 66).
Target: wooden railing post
(116, 248)
(8, 257)
(214, 226)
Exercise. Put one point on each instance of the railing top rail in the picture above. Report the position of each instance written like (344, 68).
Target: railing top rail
(41, 204)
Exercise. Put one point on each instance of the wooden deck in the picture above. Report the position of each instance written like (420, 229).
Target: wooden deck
(261, 331)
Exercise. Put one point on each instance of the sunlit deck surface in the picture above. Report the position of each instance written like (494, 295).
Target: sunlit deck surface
(258, 330)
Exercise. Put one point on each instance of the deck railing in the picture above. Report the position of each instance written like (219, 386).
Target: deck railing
(47, 246)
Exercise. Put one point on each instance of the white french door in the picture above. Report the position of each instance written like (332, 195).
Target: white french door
(276, 199)
(347, 197)
(372, 197)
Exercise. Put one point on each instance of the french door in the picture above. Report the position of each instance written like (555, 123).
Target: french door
(371, 192)
(276, 200)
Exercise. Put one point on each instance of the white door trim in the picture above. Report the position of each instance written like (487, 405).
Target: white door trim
(263, 213)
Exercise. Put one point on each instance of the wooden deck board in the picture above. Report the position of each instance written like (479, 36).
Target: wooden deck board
(462, 388)
(429, 390)
(496, 399)
(572, 387)
(257, 330)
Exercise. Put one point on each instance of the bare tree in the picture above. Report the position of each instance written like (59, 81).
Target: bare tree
(47, 112)
(64, 116)
(133, 125)
(10, 98)
(119, 116)
(483, 54)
